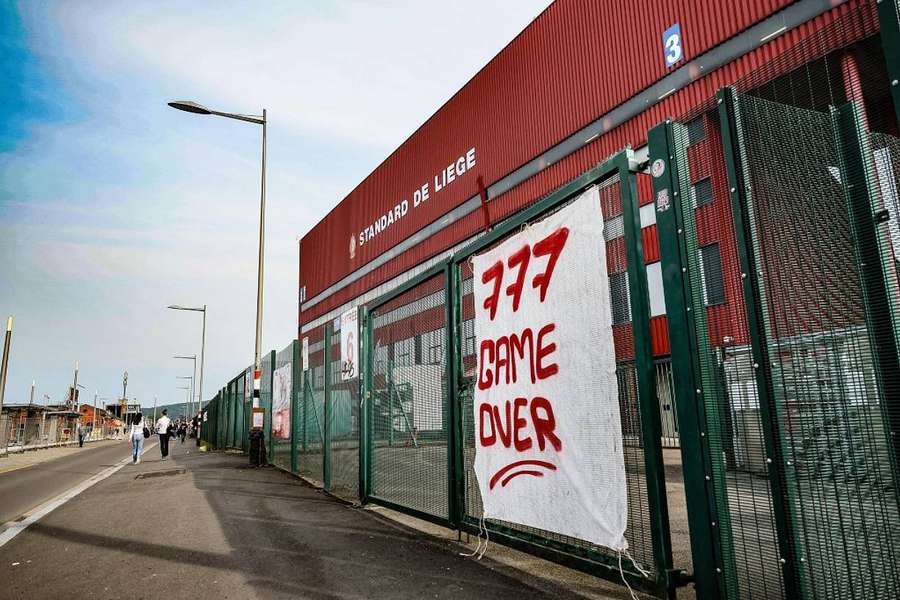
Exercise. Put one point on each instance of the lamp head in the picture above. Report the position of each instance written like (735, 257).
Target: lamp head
(191, 107)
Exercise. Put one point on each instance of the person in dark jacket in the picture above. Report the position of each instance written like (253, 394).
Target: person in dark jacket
(162, 429)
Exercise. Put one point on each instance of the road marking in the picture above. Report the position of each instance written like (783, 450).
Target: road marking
(14, 528)
(11, 469)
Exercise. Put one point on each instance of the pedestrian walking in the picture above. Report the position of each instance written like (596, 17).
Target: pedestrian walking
(196, 424)
(182, 431)
(162, 429)
(80, 429)
(137, 438)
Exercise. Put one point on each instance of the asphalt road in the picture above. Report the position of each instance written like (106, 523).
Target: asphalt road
(204, 526)
(23, 489)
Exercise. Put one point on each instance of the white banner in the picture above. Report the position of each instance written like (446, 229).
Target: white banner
(304, 359)
(548, 447)
(281, 402)
(248, 384)
(349, 345)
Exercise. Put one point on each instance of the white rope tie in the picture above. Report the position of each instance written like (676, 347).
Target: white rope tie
(640, 570)
(478, 545)
(487, 539)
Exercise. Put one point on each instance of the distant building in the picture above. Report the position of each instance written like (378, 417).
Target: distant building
(34, 424)
(97, 417)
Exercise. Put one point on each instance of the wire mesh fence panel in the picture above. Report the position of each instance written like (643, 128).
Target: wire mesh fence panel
(886, 162)
(638, 532)
(665, 391)
(242, 420)
(784, 274)
(312, 402)
(265, 399)
(281, 407)
(237, 410)
(5, 425)
(343, 420)
(229, 414)
(824, 343)
(734, 427)
(409, 402)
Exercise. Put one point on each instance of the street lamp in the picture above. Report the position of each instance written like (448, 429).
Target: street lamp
(186, 406)
(183, 387)
(202, 345)
(192, 357)
(193, 107)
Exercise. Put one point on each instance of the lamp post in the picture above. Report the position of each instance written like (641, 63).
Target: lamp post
(202, 343)
(192, 357)
(193, 107)
(4, 362)
(124, 404)
(187, 388)
(74, 398)
(191, 388)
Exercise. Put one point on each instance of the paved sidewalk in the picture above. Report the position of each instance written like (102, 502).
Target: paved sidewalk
(206, 526)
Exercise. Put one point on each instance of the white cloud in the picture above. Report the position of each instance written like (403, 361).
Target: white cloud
(126, 205)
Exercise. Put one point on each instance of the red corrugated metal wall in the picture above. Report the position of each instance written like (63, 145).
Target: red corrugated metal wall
(562, 72)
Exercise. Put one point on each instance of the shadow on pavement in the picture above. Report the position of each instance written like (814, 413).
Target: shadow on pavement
(292, 540)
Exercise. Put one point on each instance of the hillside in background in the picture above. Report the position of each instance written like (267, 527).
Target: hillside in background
(175, 410)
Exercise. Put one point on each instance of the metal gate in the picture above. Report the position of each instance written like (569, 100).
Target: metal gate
(419, 356)
(782, 292)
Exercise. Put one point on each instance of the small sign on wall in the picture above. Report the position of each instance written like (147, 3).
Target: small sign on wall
(673, 46)
(349, 345)
(259, 418)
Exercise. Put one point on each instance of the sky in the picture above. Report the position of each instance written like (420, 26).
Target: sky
(113, 205)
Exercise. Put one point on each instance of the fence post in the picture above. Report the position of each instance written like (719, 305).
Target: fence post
(306, 400)
(229, 415)
(326, 437)
(365, 402)
(223, 419)
(229, 427)
(455, 461)
(648, 403)
(668, 160)
(296, 386)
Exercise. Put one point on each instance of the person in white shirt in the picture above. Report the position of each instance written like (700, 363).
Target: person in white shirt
(162, 429)
(136, 435)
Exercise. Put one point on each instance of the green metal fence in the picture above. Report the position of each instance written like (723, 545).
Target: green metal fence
(407, 406)
(777, 207)
(794, 382)
(342, 423)
(311, 451)
(283, 408)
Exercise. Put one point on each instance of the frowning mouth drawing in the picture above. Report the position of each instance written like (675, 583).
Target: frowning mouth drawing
(507, 473)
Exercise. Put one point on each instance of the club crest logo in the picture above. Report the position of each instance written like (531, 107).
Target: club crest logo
(352, 247)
